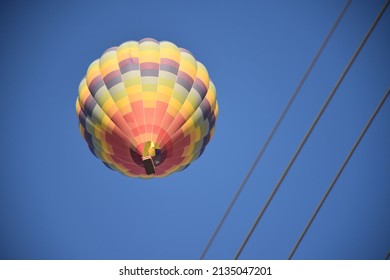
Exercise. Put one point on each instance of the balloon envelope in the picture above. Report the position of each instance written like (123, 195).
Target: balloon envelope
(147, 109)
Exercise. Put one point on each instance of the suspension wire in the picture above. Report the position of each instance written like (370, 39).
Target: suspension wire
(339, 173)
(324, 106)
(275, 128)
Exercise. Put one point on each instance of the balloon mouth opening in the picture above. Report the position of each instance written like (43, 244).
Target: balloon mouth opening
(151, 157)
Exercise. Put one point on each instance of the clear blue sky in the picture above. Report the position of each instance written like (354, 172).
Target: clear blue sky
(57, 201)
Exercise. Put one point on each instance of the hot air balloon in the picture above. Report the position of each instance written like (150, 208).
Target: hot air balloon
(147, 109)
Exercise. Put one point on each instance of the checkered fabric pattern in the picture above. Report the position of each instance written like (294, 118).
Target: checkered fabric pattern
(143, 92)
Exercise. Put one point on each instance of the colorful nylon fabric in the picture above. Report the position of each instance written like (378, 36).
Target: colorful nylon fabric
(147, 96)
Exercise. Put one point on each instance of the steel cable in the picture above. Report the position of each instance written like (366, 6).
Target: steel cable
(308, 133)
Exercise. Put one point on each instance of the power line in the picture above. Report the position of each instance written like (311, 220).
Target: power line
(324, 106)
(275, 128)
(338, 174)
